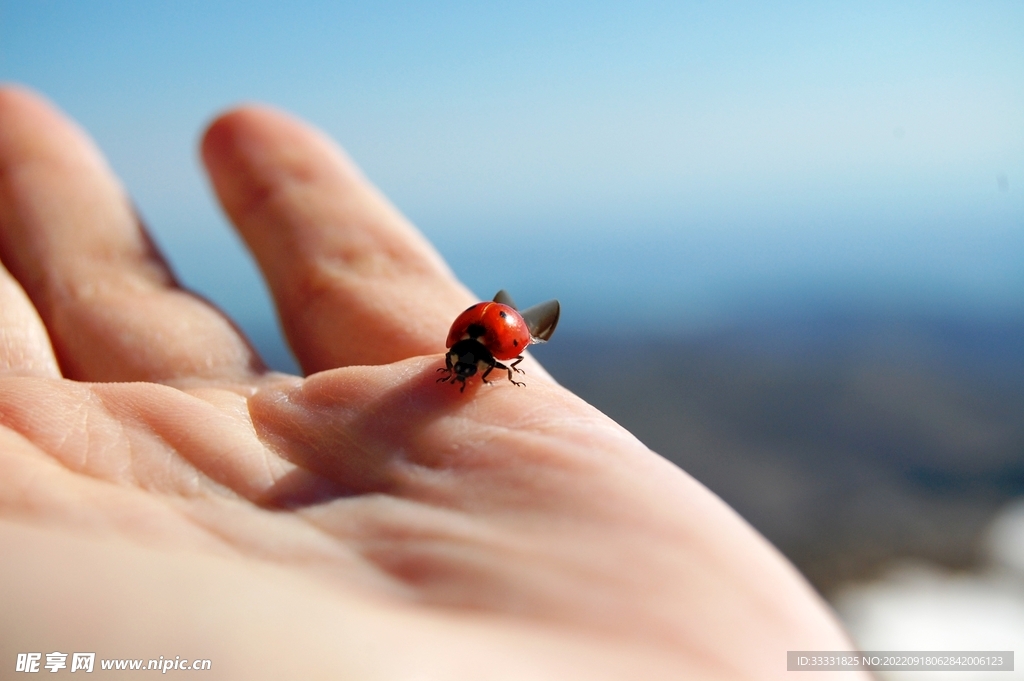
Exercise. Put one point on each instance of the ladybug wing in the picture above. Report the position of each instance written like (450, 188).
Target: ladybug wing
(505, 298)
(542, 319)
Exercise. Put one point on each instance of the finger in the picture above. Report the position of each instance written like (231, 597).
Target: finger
(24, 347)
(354, 282)
(70, 236)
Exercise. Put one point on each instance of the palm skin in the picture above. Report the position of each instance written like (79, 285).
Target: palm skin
(163, 494)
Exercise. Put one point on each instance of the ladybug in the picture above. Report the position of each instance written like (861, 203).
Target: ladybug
(495, 330)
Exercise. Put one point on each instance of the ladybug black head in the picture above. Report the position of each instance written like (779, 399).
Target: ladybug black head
(469, 356)
(466, 358)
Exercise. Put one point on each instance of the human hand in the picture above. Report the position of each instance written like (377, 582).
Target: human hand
(162, 493)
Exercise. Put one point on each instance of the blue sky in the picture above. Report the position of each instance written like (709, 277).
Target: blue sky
(643, 162)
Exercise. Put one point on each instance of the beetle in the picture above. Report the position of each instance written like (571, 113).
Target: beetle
(495, 330)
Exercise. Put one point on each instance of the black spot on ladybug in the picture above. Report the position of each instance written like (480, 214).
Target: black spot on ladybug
(515, 342)
(504, 315)
(475, 330)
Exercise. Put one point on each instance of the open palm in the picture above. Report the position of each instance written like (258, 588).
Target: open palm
(162, 493)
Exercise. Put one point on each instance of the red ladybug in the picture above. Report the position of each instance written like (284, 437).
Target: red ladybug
(492, 331)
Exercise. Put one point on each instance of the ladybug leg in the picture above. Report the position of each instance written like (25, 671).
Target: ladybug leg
(453, 378)
(499, 365)
(483, 377)
(448, 371)
(513, 365)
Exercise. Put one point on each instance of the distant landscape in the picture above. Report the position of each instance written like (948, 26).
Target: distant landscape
(848, 440)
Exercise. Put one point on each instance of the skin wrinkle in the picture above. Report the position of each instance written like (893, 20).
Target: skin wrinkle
(473, 452)
(156, 440)
(268, 444)
(262, 454)
(325, 562)
(349, 443)
(395, 517)
(224, 537)
(265, 437)
(130, 455)
(169, 503)
(444, 487)
(88, 440)
(181, 507)
(383, 536)
(133, 454)
(274, 473)
(174, 505)
(429, 565)
(424, 479)
(206, 483)
(82, 411)
(336, 535)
